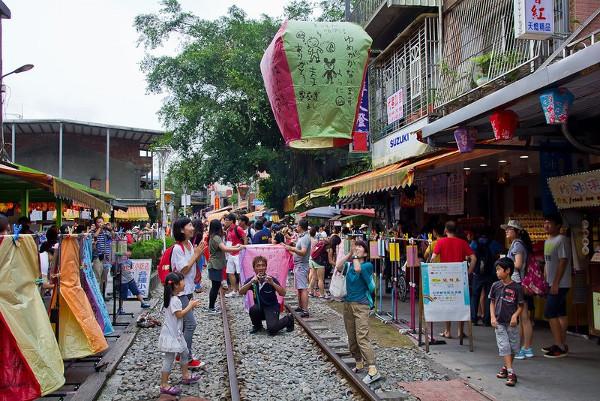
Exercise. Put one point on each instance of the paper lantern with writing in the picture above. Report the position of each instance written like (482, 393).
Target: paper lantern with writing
(504, 124)
(556, 103)
(465, 139)
(313, 74)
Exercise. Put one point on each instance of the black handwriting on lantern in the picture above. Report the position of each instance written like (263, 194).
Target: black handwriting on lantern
(301, 66)
(313, 75)
(330, 72)
(314, 51)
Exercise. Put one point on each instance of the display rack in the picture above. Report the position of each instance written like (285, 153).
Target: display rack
(533, 223)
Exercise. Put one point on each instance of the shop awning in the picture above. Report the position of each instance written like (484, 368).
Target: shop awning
(218, 214)
(133, 213)
(24, 178)
(326, 190)
(359, 212)
(323, 212)
(403, 175)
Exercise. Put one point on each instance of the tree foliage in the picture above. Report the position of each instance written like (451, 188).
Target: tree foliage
(216, 107)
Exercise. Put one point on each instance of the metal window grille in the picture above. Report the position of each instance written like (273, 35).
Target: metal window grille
(480, 49)
(410, 68)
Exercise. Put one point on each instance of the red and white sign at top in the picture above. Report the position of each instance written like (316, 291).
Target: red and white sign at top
(534, 19)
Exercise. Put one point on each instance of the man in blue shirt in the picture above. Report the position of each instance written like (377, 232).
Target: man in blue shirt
(262, 235)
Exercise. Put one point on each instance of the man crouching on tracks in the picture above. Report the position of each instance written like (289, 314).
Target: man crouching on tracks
(266, 307)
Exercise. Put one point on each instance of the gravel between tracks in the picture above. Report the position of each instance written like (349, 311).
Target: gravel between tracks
(288, 366)
(137, 376)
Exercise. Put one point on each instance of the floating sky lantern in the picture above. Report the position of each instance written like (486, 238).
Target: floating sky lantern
(556, 103)
(313, 74)
(504, 124)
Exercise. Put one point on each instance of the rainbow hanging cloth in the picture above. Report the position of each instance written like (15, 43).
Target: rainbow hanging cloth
(30, 362)
(92, 290)
(79, 334)
(279, 261)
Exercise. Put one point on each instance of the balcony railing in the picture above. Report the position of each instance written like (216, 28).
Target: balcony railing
(364, 10)
(481, 53)
(408, 68)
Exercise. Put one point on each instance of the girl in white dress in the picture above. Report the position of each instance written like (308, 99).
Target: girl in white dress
(171, 340)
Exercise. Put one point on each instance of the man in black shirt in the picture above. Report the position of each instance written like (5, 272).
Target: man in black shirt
(266, 306)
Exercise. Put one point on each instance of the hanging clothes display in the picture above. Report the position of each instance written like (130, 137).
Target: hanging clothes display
(79, 334)
(30, 361)
(91, 288)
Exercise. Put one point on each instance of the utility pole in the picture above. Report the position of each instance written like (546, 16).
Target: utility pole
(347, 10)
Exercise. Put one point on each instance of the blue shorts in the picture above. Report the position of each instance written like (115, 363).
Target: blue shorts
(556, 305)
(131, 286)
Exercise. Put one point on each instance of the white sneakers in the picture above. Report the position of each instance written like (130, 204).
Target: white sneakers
(372, 376)
(232, 294)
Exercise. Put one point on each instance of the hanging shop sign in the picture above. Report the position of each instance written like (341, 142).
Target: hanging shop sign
(313, 74)
(141, 273)
(576, 190)
(436, 194)
(401, 145)
(456, 193)
(445, 292)
(395, 106)
(360, 134)
(534, 19)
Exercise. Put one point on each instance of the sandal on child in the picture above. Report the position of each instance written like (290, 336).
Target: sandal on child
(445, 335)
(192, 379)
(170, 390)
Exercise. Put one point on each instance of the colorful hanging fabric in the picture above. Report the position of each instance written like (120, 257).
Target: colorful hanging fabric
(411, 255)
(30, 362)
(394, 252)
(92, 289)
(381, 247)
(79, 333)
(373, 250)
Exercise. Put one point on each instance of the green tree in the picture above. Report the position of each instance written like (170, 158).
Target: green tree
(216, 106)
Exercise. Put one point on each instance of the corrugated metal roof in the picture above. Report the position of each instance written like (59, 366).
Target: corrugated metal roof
(145, 137)
(422, 3)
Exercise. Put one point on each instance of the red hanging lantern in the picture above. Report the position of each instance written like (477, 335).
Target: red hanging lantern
(465, 139)
(504, 124)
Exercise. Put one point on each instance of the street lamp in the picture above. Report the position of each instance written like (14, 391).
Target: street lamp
(163, 153)
(23, 68)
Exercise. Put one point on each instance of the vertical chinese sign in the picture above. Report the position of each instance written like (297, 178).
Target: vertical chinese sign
(360, 134)
(395, 107)
(534, 19)
(141, 273)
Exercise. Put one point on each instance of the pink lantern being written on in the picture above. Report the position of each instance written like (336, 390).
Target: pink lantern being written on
(504, 124)
(556, 103)
(465, 139)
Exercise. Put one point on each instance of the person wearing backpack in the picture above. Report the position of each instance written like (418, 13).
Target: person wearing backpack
(184, 257)
(484, 276)
(519, 250)
(320, 256)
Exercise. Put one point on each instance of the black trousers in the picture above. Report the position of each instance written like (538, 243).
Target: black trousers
(271, 315)
(479, 285)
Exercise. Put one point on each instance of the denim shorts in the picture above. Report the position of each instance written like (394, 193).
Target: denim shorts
(131, 286)
(556, 305)
(508, 339)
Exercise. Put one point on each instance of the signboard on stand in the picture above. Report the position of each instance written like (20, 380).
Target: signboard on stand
(141, 274)
(445, 294)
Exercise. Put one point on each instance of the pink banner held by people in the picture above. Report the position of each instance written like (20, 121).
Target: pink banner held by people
(279, 263)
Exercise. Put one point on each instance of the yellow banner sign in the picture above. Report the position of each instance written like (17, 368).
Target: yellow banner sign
(576, 190)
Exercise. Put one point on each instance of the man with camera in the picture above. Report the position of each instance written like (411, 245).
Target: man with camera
(102, 251)
(266, 306)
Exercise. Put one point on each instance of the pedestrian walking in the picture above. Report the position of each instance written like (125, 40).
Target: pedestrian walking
(519, 251)
(171, 340)
(557, 254)
(506, 304)
(357, 304)
(217, 261)
(183, 260)
(234, 236)
(301, 256)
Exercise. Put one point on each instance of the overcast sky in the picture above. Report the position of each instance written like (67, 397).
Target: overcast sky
(86, 59)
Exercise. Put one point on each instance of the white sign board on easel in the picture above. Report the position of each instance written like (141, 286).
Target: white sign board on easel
(446, 292)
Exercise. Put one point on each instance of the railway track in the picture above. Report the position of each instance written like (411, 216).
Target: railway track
(328, 347)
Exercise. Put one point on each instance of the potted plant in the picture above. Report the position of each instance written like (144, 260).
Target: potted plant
(482, 68)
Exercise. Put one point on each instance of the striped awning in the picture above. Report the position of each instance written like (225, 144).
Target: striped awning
(63, 190)
(218, 214)
(133, 213)
(403, 176)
